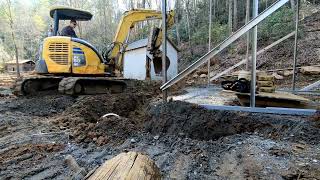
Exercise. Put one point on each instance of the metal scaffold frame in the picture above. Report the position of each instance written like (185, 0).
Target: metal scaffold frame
(251, 25)
(224, 44)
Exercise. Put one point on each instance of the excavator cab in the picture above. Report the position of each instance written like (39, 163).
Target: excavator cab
(68, 55)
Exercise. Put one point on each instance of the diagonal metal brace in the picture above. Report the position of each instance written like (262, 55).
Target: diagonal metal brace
(224, 44)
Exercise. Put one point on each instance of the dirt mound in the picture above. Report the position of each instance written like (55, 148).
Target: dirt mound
(84, 117)
(44, 106)
(89, 109)
(106, 130)
(181, 118)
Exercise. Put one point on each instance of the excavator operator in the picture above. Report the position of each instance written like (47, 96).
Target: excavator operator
(69, 30)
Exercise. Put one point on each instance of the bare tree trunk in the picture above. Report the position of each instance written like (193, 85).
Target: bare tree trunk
(266, 4)
(9, 14)
(230, 16)
(177, 21)
(235, 15)
(214, 9)
(188, 25)
(292, 4)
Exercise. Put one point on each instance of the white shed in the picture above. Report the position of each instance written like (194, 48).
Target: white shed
(138, 65)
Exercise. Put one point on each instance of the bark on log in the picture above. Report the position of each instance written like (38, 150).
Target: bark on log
(128, 166)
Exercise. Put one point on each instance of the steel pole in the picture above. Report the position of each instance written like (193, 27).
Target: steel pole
(248, 34)
(209, 43)
(254, 55)
(295, 48)
(164, 48)
(56, 23)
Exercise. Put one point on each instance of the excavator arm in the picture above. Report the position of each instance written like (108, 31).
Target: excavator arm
(127, 22)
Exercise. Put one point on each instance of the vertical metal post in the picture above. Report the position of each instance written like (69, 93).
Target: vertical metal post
(164, 47)
(209, 43)
(56, 23)
(295, 48)
(254, 56)
(248, 33)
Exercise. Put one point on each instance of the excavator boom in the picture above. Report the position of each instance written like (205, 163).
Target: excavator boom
(127, 22)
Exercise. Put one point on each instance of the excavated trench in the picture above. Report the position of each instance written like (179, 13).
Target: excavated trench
(181, 118)
(85, 120)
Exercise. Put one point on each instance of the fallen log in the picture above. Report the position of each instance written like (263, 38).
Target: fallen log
(131, 165)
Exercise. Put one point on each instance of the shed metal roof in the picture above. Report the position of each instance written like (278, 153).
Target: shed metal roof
(143, 43)
(22, 61)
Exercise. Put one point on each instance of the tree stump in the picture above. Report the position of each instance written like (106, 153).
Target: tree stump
(127, 166)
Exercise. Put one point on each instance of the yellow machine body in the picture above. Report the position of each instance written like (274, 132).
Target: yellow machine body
(73, 66)
(62, 55)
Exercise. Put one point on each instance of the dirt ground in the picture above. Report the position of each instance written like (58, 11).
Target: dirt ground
(185, 141)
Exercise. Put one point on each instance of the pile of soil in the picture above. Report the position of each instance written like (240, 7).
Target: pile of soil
(182, 118)
(45, 106)
(84, 117)
(111, 129)
(89, 109)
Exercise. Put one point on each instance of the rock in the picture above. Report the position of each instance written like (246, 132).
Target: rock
(101, 141)
(277, 76)
(203, 75)
(195, 76)
(190, 82)
(310, 70)
(156, 137)
(287, 72)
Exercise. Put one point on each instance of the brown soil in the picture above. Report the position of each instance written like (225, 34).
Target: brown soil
(176, 118)
(185, 141)
(84, 117)
(29, 149)
(106, 130)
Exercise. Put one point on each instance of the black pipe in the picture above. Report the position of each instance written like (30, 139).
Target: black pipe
(56, 23)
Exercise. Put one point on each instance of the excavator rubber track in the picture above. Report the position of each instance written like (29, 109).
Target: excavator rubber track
(91, 85)
(35, 84)
(69, 85)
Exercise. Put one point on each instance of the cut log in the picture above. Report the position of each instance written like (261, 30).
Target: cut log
(312, 70)
(267, 89)
(127, 166)
(265, 78)
(265, 83)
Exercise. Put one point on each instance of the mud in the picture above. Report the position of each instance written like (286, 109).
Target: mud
(38, 106)
(106, 130)
(185, 141)
(196, 122)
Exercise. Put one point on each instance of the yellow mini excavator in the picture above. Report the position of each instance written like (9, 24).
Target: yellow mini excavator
(74, 66)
